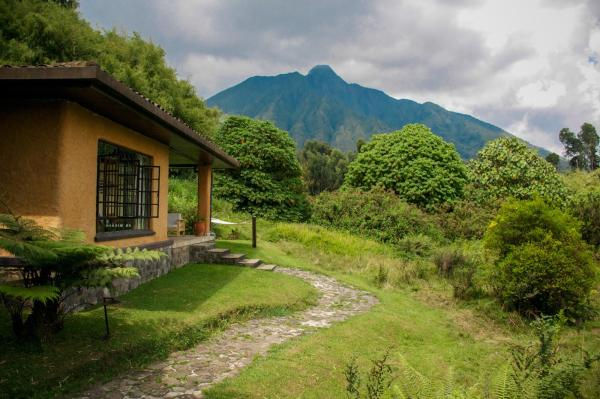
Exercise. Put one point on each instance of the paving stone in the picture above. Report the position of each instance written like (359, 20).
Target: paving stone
(186, 373)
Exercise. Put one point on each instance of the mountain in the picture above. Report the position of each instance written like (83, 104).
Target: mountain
(322, 106)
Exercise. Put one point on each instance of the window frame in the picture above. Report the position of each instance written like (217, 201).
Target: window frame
(143, 197)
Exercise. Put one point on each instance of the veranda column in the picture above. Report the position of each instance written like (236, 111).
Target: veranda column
(204, 189)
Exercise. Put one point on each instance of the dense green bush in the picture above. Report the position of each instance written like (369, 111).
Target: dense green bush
(465, 219)
(586, 207)
(543, 266)
(377, 213)
(580, 181)
(269, 182)
(507, 167)
(413, 162)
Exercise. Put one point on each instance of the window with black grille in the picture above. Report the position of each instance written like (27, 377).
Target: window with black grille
(127, 193)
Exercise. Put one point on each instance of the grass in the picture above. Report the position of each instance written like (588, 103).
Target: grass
(417, 319)
(167, 314)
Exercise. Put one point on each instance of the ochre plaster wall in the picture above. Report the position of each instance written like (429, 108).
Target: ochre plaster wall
(81, 131)
(29, 175)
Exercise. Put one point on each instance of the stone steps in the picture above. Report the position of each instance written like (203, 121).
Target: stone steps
(206, 245)
(232, 259)
(250, 262)
(218, 251)
(208, 253)
(268, 268)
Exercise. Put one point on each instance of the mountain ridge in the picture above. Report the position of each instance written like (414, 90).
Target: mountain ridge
(321, 105)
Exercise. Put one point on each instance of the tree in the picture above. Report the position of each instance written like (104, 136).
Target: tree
(507, 167)
(553, 159)
(269, 183)
(581, 149)
(413, 162)
(45, 32)
(53, 263)
(359, 145)
(323, 166)
(589, 138)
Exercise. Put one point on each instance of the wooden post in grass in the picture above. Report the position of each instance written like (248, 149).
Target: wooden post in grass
(253, 231)
(107, 336)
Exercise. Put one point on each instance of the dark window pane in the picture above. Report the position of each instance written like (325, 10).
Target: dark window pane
(128, 187)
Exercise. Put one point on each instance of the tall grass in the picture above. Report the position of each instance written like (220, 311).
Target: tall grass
(341, 252)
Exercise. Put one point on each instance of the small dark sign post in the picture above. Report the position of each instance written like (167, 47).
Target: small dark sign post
(253, 231)
(104, 300)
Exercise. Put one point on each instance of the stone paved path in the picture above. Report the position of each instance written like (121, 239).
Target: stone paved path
(185, 374)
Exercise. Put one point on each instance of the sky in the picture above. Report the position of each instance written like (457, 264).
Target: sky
(530, 67)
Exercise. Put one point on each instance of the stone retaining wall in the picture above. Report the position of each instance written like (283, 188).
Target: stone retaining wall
(77, 299)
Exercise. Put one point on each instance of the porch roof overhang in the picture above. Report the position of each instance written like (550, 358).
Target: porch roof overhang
(88, 85)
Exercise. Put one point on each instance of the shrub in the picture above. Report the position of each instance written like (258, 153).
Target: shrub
(413, 162)
(447, 260)
(382, 276)
(418, 245)
(465, 219)
(586, 207)
(579, 180)
(543, 265)
(507, 167)
(545, 277)
(377, 213)
(539, 371)
(461, 264)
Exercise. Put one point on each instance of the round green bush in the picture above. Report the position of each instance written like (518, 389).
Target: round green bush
(545, 278)
(543, 265)
(507, 167)
(413, 162)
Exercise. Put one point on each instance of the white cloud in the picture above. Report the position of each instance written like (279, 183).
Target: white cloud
(540, 94)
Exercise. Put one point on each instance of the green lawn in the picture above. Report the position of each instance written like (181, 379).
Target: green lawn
(419, 322)
(167, 314)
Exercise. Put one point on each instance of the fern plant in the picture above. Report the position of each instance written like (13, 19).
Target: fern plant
(533, 372)
(54, 261)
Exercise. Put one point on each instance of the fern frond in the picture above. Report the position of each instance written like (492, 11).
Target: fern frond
(503, 383)
(43, 293)
(103, 277)
(119, 256)
(414, 384)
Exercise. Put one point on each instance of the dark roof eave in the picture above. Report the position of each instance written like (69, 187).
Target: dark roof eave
(106, 83)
